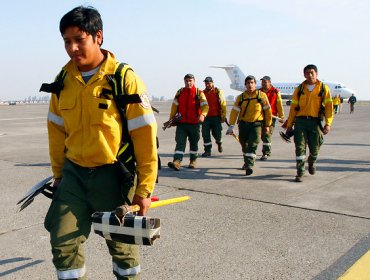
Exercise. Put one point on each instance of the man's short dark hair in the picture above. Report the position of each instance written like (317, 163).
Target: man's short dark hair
(249, 78)
(189, 76)
(309, 67)
(87, 19)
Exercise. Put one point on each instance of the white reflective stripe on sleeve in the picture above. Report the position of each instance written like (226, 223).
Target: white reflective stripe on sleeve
(193, 152)
(236, 108)
(71, 274)
(250, 155)
(266, 107)
(207, 144)
(105, 225)
(266, 144)
(124, 272)
(140, 121)
(138, 222)
(300, 157)
(203, 103)
(179, 152)
(55, 119)
(175, 102)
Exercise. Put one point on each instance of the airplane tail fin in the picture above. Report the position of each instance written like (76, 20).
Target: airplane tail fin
(236, 76)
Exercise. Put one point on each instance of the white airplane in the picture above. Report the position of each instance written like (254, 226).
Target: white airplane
(286, 89)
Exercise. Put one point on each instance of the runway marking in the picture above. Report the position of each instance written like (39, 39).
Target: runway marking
(16, 119)
(360, 269)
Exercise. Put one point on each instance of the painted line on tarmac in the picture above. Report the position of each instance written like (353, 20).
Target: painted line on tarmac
(347, 261)
(360, 270)
(16, 119)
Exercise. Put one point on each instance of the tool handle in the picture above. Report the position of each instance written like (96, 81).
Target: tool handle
(122, 210)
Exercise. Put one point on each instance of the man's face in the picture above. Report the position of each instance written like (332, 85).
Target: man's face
(311, 76)
(266, 84)
(209, 85)
(81, 47)
(189, 83)
(250, 85)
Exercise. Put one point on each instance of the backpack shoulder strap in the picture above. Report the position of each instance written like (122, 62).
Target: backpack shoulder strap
(322, 90)
(217, 91)
(259, 99)
(117, 81)
(57, 86)
(179, 92)
(241, 99)
(300, 90)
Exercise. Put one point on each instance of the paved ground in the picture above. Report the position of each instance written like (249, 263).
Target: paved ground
(262, 227)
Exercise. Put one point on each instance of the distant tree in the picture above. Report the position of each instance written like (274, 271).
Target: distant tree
(154, 98)
(230, 98)
(162, 98)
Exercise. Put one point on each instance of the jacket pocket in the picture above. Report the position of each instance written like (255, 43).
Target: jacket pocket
(68, 111)
(103, 112)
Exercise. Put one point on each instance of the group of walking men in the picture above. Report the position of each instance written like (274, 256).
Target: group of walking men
(99, 110)
(255, 112)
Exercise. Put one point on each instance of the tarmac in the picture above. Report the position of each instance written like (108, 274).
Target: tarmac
(264, 226)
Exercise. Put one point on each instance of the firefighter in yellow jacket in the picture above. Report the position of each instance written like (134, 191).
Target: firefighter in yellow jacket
(192, 104)
(311, 99)
(215, 117)
(251, 110)
(85, 131)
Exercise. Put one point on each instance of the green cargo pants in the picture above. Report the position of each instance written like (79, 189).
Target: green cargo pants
(306, 133)
(211, 125)
(183, 132)
(249, 137)
(81, 192)
(267, 139)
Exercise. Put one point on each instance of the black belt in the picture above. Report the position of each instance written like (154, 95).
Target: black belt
(257, 122)
(307, 118)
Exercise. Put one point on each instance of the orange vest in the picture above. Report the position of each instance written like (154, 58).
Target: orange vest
(213, 103)
(189, 106)
(272, 97)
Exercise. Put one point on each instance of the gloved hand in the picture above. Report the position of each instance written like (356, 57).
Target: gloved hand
(230, 130)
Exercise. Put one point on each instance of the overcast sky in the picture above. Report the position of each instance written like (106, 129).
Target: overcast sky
(164, 40)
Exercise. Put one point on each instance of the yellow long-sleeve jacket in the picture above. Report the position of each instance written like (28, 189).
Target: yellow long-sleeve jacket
(85, 126)
(336, 100)
(310, 103)
(251, 108)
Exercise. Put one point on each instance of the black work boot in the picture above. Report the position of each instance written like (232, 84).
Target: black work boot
(248, 171)
(206, 154)
(312, 168)
(176, 164)
(219, 145)
(298, 179)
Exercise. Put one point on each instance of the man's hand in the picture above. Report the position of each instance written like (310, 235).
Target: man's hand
(144, 204)
(222, 120)
(201, 118)
(326, 129)
(285, 124)
(56, 182)
(230, 131)
(266, 129)
(288, 130)
(281, 120)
